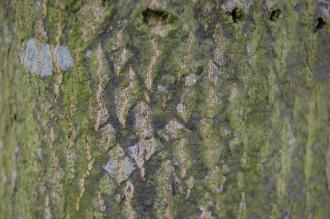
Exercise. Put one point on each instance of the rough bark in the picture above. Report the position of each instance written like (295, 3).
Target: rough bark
(164, 109)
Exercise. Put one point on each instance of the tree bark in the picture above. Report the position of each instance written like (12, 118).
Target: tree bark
(164, 109)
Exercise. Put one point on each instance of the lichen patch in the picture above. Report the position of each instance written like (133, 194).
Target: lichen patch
(63, 57)
(174, 128)
(190, 80)
(37, 57)
(229, 5)
(119, 166)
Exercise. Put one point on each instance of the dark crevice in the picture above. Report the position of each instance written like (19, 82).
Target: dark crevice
(151, 15)
(320, 23)
(236, 14)
(275, 15)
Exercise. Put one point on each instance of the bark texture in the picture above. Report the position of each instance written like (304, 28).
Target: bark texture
(164, 109)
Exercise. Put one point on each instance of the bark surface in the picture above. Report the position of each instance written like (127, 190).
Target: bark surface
(164, 109)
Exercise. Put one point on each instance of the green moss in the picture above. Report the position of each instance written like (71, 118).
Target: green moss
(256, 124)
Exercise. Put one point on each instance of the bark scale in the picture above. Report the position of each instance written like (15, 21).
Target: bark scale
(164, 109)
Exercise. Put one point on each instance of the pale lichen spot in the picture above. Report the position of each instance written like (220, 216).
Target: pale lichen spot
(180, 108)
(323, 10)
(45, 60)
(37, 58)
(63, 57)
(161, 88)
(190, 80)
(4, 179)
(206, 214)
(160, 31)
(119, 166)
(174, 128)
(89, 54)
(229, 5)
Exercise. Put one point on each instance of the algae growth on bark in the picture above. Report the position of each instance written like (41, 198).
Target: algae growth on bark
(165, 109)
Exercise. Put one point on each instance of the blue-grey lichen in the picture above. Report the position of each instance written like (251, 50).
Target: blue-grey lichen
(229, 5)
(89, 53)
(323, 9)
(37, 58)
(190, 80)
(63, 57)
(175, 129)
(119, 166)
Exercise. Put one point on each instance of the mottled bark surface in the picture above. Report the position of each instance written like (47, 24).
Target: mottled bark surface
(164, 109)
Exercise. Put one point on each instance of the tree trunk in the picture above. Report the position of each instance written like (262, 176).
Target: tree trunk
(164, 109)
